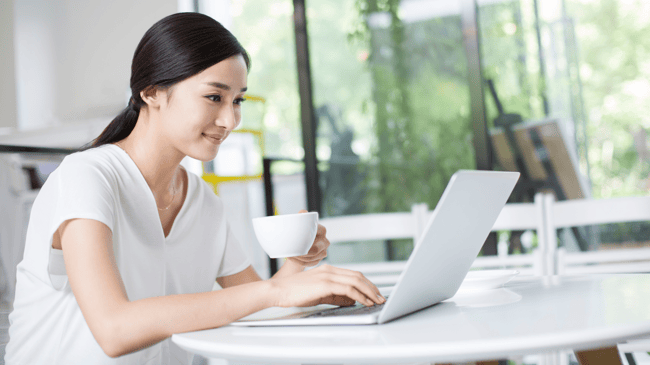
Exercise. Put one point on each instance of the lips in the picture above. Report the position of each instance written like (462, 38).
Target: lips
(215, 138)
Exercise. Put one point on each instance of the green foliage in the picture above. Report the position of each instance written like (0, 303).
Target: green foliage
(614, 40)
(265, 29)
(509, 57)
(421, 108)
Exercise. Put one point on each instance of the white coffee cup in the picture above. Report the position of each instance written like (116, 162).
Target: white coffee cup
(286, 235)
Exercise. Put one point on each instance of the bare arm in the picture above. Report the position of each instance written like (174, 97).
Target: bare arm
(121, 326)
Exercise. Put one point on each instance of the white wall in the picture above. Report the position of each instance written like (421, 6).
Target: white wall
(35, 25)
(73, 57)
(7, 77)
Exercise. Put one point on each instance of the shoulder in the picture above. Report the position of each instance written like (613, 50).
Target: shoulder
(97, 164)
(94, 157)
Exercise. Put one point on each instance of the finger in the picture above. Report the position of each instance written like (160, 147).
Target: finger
(359, 275)
(302, 211)
(373, 287)
(312, 261)
(321, 231)
(359, 285)
(318, 246)
(351, 292)
(316, 253)
(319, 252)
(341, 301)
(309, 262)
(321, 243)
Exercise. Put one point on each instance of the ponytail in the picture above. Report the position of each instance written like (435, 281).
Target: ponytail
(120, 127)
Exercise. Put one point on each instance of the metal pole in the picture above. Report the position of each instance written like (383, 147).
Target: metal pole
(306, 107)
(482, 147)
(542, 63)
(270, 208)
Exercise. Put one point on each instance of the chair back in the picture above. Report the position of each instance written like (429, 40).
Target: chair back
(582, 212)
(377, 226)
(385, 226)
(520, 217)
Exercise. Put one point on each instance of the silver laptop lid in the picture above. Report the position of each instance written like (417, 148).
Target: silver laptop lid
(452, 239)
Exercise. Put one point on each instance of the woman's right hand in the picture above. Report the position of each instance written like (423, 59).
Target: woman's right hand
(325, 285)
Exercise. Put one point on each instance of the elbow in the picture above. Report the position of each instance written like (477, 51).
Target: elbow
(118, 338)
(112, 351)
(111, 340)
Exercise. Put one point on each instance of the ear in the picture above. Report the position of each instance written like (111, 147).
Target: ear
(152, 96)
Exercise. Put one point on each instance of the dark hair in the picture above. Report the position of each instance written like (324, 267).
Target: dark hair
(175, 48)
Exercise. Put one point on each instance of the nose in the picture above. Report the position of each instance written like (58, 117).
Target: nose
(228, 118)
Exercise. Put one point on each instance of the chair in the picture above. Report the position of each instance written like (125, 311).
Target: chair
(515, 217)
(582, 212)
(377, 226)
(384, 226)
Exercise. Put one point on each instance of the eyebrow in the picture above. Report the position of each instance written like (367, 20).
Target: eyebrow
(219, 85)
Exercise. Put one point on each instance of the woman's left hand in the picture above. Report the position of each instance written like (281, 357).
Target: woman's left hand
(318, 250)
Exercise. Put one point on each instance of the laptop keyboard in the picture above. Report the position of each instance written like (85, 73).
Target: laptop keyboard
(347, 311)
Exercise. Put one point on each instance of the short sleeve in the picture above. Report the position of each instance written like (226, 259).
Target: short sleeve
(84, 191)
(234, 259)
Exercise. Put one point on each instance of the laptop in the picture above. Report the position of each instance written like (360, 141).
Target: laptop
(440, 260)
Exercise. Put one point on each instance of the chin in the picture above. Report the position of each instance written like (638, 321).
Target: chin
(206, 156)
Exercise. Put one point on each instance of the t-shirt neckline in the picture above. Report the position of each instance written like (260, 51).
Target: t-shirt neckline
(152, 198)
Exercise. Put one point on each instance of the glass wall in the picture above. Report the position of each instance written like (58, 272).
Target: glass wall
(614, 43)
(392, 101)
(584, 64)
(613, 39)
(265, 29)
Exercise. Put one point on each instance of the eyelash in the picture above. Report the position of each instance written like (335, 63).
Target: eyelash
(216, 98)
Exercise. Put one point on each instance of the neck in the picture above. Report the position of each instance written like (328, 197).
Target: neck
(157, 160)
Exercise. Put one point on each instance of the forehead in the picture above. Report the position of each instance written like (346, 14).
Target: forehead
(231, 72)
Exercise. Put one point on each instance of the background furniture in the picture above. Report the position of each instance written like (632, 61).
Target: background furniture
(585, 212)
(377, 226)
(385, 226)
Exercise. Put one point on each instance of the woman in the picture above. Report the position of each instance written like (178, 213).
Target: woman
(123, 245)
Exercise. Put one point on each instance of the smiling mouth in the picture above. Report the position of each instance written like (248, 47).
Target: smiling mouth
(216, 139)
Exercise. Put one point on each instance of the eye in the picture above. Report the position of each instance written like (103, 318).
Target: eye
(239, 101)
(215, 97)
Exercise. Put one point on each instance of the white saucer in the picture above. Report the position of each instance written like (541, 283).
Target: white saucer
(487, 279)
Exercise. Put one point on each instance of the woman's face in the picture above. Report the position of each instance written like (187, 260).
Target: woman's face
(198, 113)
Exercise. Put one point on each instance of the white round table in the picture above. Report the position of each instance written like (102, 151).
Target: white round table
(528, 315)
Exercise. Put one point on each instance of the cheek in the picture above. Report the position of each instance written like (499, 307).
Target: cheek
(190, 120)
(238, 115)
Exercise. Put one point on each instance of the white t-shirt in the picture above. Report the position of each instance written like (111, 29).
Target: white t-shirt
(104, 184)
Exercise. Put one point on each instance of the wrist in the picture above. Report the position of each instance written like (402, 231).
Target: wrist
(289, 267)
(294, 264)
(271, 293)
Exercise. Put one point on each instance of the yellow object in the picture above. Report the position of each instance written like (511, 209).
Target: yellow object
(215, 180)
(254, 98)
